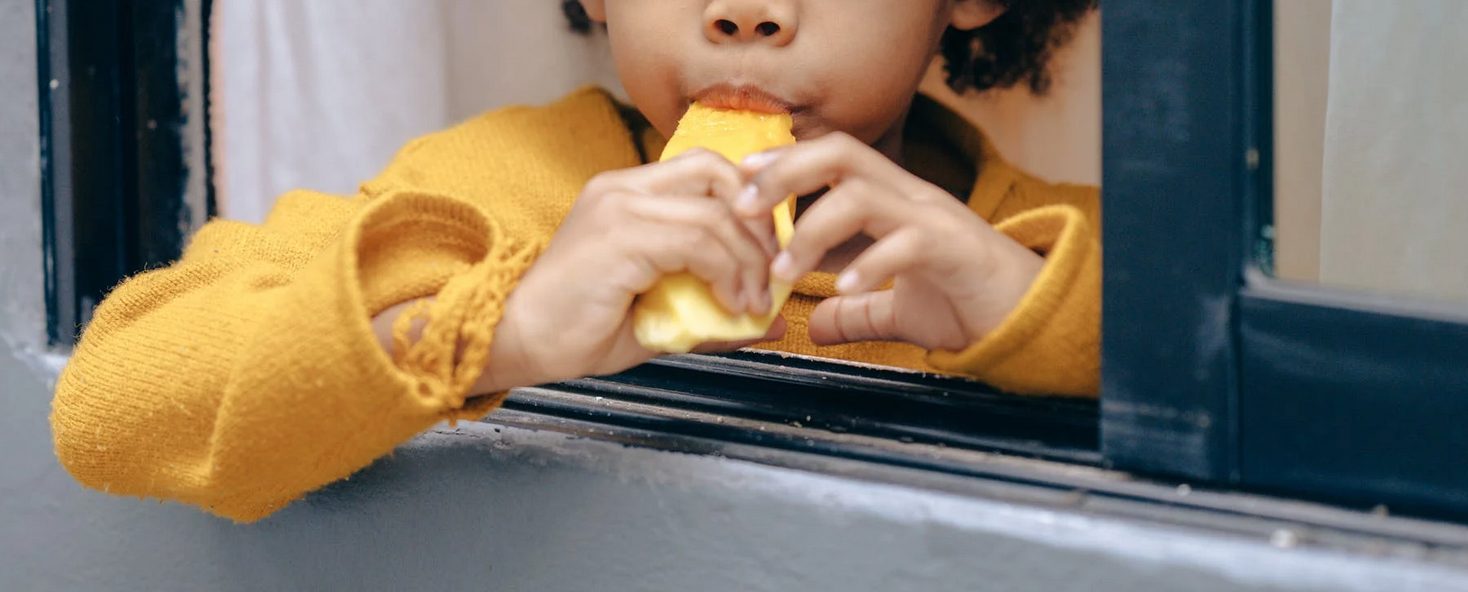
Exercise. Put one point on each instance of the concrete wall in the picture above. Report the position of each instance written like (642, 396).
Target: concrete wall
(489, 507)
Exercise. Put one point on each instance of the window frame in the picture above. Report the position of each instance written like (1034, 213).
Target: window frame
(1287, 387)
(804, 404)
(125, 164)
(1173, 165)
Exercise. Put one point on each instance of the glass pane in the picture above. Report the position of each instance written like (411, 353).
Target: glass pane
(1371, 141)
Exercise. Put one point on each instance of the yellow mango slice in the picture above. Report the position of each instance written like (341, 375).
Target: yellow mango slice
(681, 312)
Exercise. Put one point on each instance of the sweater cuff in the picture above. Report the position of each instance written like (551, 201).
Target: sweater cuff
(1049, 344)
(413, 245)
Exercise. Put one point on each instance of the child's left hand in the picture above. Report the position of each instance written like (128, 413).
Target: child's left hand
(955, 278)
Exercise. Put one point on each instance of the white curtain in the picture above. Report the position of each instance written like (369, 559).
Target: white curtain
(1394, 211)
(320, 94)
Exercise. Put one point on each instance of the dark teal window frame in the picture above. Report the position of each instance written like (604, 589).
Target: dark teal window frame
(1213, 370)
(113, 155)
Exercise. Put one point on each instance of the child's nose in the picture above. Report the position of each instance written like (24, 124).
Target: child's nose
(750, 21)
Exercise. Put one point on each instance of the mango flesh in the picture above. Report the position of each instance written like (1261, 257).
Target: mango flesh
(681, 311)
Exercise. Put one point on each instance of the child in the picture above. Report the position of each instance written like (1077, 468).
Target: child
(273, 359)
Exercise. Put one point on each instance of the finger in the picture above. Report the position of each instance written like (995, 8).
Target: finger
(755, 275)
(899, 252)
(696, 172)
(751, 258)
(808, 167)
(625, 352)
(761, 228)
(670, 249)
(855, 207)
(777, 329)
(776, 332)
(860, 317)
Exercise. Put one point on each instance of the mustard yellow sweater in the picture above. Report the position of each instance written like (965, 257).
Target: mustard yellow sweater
(247, 373)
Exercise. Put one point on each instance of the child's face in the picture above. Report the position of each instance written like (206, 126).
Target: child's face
(836, 65)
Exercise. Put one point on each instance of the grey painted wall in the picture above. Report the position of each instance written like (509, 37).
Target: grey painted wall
(21, 293)
(487, 507)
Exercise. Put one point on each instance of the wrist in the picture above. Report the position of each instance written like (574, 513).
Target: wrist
(511, 364)
(1012, 272)
(508, 364)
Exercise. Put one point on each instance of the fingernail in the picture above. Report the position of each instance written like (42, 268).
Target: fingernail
(758, 160)
(848, 282)
(784, 267)
(745, 203)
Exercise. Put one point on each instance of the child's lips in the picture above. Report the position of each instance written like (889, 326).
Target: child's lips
(743, 98)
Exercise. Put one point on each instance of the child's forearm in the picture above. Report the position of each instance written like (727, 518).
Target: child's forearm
(502, 372)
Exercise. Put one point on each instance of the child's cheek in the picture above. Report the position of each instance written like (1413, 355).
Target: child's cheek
(650, 75)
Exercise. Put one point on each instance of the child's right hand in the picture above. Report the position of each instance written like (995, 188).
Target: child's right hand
(570, 316)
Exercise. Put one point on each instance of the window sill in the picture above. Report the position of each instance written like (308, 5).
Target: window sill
(996, 469)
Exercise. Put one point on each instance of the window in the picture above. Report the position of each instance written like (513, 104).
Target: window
(1357, 376)
(1214, 371)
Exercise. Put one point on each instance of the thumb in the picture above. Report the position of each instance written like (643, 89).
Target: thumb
(859, 317)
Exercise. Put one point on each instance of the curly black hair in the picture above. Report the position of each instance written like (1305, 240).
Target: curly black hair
(1014, 49)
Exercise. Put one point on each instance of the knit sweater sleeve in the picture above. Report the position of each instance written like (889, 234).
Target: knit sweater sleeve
(1051, 342)
(248, 373)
